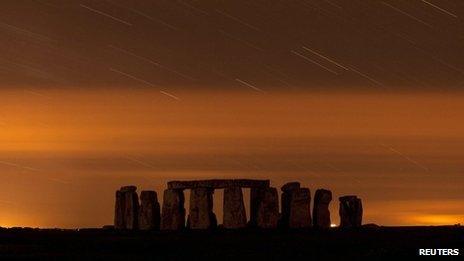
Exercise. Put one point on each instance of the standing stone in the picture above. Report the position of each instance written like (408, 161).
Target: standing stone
(321, 213)
(256, 196)
(350, 211)
(268, 210)
(300, 212)
(201, 214)
(173, 214)
(286, 199)
(126, 208)
(131, 211)
(149, 214)
(119, 206)
(234, 215)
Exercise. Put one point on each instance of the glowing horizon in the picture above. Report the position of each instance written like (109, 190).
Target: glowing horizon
(65, 151)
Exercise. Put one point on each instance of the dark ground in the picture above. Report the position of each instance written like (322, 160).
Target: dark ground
(246, 244)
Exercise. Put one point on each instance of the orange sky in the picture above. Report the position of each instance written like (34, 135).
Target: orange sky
(64, 152)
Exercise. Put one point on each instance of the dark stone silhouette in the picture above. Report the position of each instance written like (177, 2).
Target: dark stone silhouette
(290, 186)
(173, 212)
(300, 209)
(218, 183)
(350, 211)
(321, 213)
(126, 208)
(286, 198)
(234, 215)
(119, 209)
(131, 214)
(201, 214)
(264, 206)
(149, 214)
(268, 211)
(256, 197)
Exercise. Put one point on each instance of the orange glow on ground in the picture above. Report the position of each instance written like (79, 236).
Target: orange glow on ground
(437, 219)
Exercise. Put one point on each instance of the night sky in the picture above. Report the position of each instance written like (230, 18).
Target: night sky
(283, 45)
(360, 97)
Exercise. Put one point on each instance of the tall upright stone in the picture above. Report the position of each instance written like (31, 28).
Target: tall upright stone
(173, 212)
(268, 211)
(131, 211)
(321, 212)
(234, 215)
(350, 211)
(300, 209)
(286, 198)
(119, 210)
(256, 196)
(201, 214)
(126, 208)
(149, 214)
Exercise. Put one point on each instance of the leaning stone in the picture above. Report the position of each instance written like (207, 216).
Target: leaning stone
(321, 212)
(131, 210)
(300, 213)
(286, 199)
(234, 215)
(173, 214)
(350, 211)
(268, 210)
(201, 214)
(149, 214)
(119, 209)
